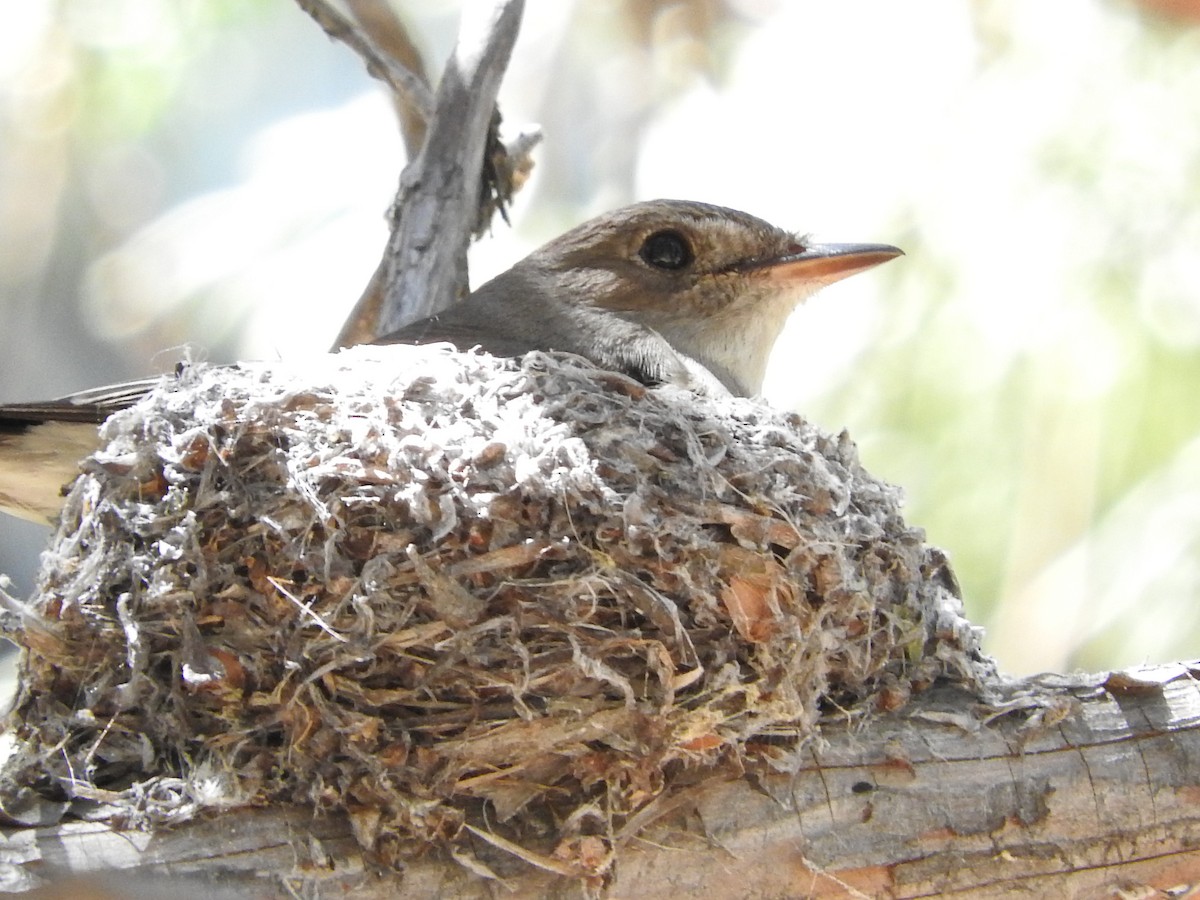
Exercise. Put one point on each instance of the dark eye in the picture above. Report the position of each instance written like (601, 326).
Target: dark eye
(667, 250)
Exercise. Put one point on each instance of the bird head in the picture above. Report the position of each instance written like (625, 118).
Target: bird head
(716, 284)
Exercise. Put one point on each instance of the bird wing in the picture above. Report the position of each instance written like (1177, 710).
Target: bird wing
(462, 332)
(609, 340)
(93, 405)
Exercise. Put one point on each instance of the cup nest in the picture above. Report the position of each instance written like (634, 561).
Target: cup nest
(454, 595)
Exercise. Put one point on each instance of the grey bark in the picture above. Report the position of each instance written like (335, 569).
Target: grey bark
(1093, 794)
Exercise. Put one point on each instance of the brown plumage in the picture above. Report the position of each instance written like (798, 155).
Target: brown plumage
(665, 291)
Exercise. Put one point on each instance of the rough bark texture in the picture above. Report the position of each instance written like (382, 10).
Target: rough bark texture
(449, 192)
(1098, 802)
(438, 204)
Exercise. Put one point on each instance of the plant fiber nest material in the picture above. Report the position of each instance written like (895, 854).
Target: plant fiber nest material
(453, 595)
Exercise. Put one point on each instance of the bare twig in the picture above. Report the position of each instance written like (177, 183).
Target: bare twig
(505, 173)
(389, 34)
(437, 207)
(405, 83)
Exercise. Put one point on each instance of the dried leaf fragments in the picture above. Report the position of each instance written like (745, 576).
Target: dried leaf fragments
(453, 595)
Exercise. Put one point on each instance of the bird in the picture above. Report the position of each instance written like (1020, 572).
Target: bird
(664, 291)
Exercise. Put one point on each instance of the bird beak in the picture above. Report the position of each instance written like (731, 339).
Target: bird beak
(823, 264)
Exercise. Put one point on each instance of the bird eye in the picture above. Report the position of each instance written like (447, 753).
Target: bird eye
(666, 250)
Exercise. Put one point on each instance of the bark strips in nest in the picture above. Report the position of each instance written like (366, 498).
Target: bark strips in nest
(528, 600)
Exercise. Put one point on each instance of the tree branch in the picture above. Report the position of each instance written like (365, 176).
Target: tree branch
(442, 192)
(407, 84)
(919, 803)
(413, 108)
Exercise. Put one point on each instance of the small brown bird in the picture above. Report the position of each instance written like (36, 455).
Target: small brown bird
(665, 291)
(652, 290)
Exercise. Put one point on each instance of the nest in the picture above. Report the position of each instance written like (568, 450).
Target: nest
(451, 595)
